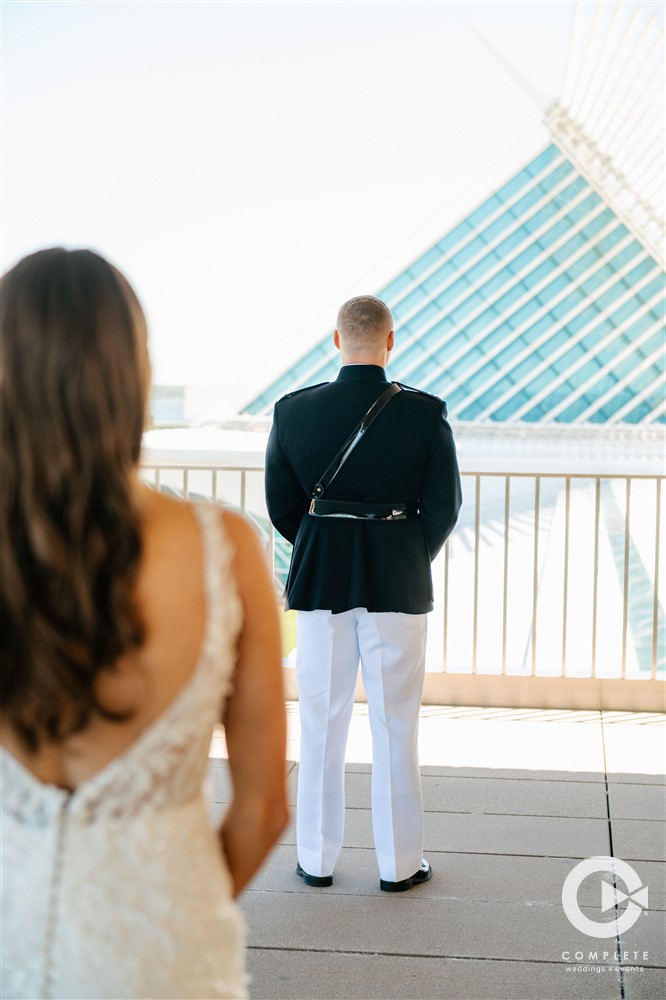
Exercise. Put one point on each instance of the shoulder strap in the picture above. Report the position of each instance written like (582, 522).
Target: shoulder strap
(353, 439)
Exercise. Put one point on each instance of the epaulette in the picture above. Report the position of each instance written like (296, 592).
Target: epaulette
(305, 388)
(421, 392)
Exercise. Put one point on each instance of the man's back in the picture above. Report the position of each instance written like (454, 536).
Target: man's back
(360, 580)
(406, 457)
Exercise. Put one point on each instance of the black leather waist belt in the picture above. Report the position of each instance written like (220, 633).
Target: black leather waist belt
(364, 511)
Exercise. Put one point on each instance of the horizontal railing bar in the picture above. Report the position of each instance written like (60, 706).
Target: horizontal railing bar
(463, 472)
(566, 475)
(218, 467)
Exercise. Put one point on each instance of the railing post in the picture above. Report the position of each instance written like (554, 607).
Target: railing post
(535, 571)
(625, 582)
(446, 605)
(271, 547)
(655, 601)
(595, 573)
(477, 535)
(505, 595)
(243, 491)
(565, 595)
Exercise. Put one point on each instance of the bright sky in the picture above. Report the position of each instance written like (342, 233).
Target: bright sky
(250, 165)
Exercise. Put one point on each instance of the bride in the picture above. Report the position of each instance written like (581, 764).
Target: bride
(131, 623)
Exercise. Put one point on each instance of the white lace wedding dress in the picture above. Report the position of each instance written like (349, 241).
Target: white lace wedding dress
(119, 889)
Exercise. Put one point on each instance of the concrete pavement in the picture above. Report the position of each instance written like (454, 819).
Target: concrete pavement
(514, 799)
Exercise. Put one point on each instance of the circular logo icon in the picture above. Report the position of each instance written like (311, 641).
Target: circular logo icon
(637, 897)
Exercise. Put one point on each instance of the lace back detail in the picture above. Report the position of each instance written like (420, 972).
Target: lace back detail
(166, 764)
(120, 888)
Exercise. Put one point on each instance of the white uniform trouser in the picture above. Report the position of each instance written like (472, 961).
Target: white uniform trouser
(391, 648)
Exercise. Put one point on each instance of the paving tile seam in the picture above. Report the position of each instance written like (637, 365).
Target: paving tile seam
(632, 819)
(658, 782)
(429, 955)
(502, 777)
(505, 777)
(536, 857)
(431, 897)
(416, 899)
(486, 812)
(618, 940)
(539, 815)
(639, 861)
(489, 854)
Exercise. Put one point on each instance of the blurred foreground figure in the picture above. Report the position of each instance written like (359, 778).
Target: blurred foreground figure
(362, 477)
(131, 623)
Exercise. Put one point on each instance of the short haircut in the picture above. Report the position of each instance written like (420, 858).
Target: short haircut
(364, 319)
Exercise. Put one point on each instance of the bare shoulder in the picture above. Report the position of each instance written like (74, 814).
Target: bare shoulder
(160, 507)
(249, 555)
(173, 523)
(170, 527)
(250, 559)
(242, 533)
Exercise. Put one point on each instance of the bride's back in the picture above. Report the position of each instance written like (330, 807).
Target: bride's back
(102, 595)
(130, 624)
(171, 600)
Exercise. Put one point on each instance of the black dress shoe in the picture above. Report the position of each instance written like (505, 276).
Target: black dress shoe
(319, 881)
(424, 874)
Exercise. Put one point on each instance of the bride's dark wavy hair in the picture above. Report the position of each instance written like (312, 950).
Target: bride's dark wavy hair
(73, 385)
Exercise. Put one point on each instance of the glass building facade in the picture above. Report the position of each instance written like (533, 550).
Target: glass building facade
(541, 306)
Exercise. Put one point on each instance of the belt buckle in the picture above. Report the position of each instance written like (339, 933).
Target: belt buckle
(311, 508)
(397, 515)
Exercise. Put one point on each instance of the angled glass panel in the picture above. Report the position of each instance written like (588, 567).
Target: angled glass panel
(627, 394)
(456, 236)
(645, 408)
(489, 207)
(413, 299)
(608, 354)
(391, 291)
(448, 303)
(540, 162)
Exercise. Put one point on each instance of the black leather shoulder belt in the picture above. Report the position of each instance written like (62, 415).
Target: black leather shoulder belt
(343, 508)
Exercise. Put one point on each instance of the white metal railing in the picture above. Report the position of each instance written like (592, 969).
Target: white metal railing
(657, 664)
(549, 591)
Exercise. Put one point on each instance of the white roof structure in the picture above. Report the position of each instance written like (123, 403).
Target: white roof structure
(545, 305)
(610, 117)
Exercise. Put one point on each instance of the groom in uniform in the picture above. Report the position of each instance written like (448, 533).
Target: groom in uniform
(360, 580)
